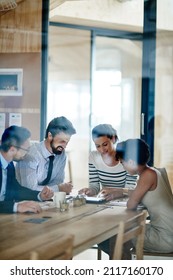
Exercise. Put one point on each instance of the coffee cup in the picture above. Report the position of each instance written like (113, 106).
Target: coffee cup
(59, 197)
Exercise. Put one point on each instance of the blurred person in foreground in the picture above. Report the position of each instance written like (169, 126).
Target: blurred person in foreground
(15, 143)
(153, 192)
(32, 171)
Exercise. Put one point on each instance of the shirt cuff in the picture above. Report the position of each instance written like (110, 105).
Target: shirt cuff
(15, 207)
(39, 197)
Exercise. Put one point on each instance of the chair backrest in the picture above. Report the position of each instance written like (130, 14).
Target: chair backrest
(134, 228)
(60, 249)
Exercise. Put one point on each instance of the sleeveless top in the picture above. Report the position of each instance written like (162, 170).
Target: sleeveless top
(159, 204)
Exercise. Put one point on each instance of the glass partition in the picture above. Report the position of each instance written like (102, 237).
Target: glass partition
(110, 93)
(163, 141)
(69, 92)
(116, 92)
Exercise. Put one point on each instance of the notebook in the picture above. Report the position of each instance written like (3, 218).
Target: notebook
(93, 199)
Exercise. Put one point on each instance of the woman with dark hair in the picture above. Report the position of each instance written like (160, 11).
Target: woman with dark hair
(152, 192)
(105, 171)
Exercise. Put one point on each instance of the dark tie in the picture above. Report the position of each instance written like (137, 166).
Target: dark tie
(49, 173)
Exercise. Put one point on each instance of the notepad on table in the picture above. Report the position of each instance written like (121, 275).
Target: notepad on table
(93, 199)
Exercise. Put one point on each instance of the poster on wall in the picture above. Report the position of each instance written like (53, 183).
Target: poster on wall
(15, 119)
(2, 123)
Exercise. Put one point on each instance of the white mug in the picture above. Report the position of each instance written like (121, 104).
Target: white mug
(58, 197)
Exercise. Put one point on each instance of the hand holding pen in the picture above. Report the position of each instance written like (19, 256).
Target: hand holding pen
(87, 191)
(111, 193)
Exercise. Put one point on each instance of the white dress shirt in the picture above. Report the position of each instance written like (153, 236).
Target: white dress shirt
(32, 170)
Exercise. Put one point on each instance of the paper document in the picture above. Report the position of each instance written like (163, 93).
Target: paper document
(118, 202)
(94, 199)
(123, 203)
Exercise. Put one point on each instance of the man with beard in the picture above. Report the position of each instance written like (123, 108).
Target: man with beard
(15, 144)
(32, 171)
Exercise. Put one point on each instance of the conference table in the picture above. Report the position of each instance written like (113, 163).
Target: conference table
(90, 224)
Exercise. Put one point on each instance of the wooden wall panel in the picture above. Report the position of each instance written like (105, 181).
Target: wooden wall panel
(20, 47)
(20, 29)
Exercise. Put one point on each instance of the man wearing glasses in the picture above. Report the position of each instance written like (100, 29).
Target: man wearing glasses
(15, 144)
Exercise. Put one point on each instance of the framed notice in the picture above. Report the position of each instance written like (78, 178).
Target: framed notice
(11, 82)
(15, 119)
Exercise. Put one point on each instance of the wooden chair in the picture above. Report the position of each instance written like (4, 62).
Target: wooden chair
(134, 228)
(59, 249)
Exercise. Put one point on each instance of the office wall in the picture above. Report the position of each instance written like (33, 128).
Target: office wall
(28, 105)
(20, 48)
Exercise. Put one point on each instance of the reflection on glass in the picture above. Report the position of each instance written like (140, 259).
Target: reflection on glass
(116, 89)
(117, 86)
(163, 140)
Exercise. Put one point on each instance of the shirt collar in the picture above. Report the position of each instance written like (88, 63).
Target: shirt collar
(4, 163)
(45, 151)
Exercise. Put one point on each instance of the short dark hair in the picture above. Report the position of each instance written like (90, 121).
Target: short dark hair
(60, 124)
(104, 130)
(134, 149)
(14, 136)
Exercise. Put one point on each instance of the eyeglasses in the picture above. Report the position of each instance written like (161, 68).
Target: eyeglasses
(26, 150)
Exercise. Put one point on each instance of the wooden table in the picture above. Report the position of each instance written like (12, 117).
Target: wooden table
(90, 224)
